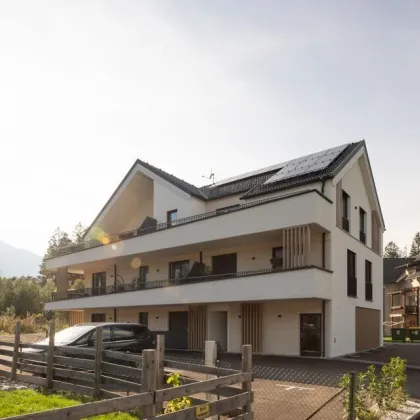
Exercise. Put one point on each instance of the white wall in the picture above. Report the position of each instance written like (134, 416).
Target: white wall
(295, 211)
(217, 327)
(341, 311)
(167, 197)
(281, 335)
(296, 284)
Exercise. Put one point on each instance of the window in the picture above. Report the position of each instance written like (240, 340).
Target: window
(362, 221)
(144, 318)
(351, 274)
(141, 332)
(179, 269)
(122, 332)
(99, 283)
(171, 216)
(277, 260)
(368, 280)
(143, 273)
(346, 211)
(225, 264)
(106, 334)
(98, 318)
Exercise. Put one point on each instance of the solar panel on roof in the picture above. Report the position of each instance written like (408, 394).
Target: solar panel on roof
(249, 174)
(307, 164)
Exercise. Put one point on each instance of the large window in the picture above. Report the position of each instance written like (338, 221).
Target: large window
(362, 222)
(346, 211)
(368, 280)
(351, 274)
(179, 269)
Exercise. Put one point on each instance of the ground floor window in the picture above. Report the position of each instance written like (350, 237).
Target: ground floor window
(98, 318)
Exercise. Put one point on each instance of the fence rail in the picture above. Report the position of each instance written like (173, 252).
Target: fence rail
(85, 371)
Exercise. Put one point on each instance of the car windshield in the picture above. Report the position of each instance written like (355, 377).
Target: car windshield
(68, 335)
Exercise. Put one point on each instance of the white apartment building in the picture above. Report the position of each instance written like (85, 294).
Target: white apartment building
(287, 258)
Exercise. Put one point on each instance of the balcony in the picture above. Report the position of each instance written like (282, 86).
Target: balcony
(295, 209)
(267, 284)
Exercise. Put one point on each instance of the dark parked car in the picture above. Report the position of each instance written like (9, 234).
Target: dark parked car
(117, 336)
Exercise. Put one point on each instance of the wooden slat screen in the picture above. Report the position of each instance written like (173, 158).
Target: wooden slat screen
(296, 246)
(197, 327)
(76, 317)
(251, 314)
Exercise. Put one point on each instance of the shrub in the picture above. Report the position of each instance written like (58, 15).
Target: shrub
(177, 403)
(377, 393)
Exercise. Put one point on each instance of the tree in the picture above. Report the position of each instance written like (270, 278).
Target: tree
(58, 239)
(392, 250)
(415, 246)
(78, 233)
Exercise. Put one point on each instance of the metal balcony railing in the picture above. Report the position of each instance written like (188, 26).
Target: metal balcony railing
(147, 285)
(108, 239)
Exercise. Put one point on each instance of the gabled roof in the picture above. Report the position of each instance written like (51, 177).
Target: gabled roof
(304, 170)
(394, 268)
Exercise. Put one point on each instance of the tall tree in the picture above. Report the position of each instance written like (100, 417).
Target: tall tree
(415, 246)
(78, 233)
(58, 239)
(392, 250)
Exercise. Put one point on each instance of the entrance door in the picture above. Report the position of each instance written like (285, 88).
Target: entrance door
(225, 264)
(310, 335)
(178, 330)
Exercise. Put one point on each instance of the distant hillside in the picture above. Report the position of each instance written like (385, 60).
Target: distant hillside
(17, 262)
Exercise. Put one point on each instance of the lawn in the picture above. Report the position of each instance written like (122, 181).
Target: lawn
(25, 401)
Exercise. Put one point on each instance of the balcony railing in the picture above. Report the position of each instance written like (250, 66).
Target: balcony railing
(141, 285)
(107, 239)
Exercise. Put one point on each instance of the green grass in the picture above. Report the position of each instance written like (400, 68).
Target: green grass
(25, 401)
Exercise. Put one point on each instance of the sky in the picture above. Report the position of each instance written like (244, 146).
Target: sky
(86, 87)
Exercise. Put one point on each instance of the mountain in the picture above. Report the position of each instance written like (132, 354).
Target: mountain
(18, 262)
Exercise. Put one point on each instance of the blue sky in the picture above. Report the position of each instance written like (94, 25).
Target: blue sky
(87, 87)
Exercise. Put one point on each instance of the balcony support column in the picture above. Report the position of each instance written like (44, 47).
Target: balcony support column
(61, 281)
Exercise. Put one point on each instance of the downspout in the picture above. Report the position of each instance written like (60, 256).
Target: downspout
(323, 249)
(115, 314)
(323, 328)
(115, 274)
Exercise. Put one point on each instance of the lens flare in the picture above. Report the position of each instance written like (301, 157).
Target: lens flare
(135, 263)
(114, 247)
(104, 240)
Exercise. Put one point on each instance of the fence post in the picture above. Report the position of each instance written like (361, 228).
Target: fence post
(247, 367)
(15, 352)
(210, 358)
(352, 392)
(160, 371)
(98, 362)
(148, 381)
(50, 357)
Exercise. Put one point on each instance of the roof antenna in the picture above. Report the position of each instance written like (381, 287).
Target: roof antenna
(211, 177)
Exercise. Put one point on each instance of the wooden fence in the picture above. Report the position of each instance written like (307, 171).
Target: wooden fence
(104, 374)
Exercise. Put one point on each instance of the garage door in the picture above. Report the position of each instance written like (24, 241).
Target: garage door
(368, 323)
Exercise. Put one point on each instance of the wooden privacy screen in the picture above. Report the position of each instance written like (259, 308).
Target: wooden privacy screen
(197, 326)
(296, 246)
(76, 317)
(251, 315)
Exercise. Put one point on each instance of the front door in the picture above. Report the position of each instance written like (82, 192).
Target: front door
(178, 330)
(310, 335)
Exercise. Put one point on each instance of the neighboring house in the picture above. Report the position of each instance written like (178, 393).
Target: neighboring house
(286, 258)
(401, 293)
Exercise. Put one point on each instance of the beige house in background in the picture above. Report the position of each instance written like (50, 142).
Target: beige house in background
(401, 293)
(286, 258)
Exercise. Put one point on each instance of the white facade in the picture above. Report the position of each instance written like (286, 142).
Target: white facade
(303, 221)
